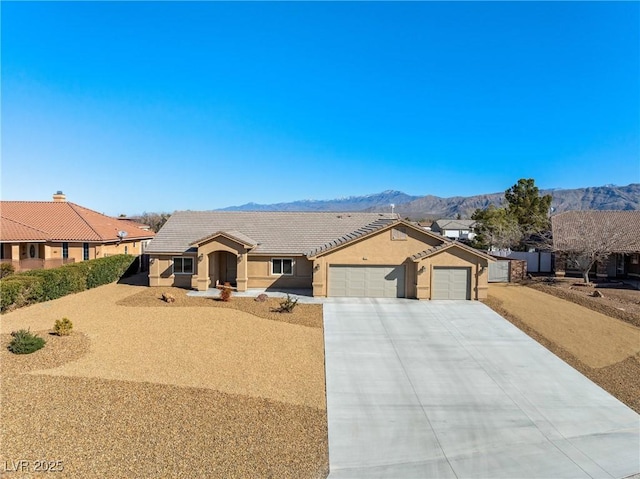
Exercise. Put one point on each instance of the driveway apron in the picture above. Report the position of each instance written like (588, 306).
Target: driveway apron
(451, 389)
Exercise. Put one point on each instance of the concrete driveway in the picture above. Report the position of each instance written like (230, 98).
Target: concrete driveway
(450, 389)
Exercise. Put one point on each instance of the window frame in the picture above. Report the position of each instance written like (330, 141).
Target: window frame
(65, 250)
(85, 251)
(181, 259)
(281, 261)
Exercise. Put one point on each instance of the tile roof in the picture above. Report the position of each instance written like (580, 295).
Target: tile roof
(619, 230)
(275, 232)
(234, 235)
(454, 224)
(352, 235)
(61, 221)
(450, 244)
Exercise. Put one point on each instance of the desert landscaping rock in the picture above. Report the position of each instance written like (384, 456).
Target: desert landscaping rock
(165, 391)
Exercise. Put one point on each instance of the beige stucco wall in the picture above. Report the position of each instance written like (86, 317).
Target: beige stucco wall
(161, 271)
(54, 250)
(454, 257)
(259, 273)
(378, 249)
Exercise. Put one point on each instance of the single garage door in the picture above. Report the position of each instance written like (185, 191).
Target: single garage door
(366, 281)
(451, 283)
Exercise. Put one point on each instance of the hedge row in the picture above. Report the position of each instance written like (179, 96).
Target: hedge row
(40, 285)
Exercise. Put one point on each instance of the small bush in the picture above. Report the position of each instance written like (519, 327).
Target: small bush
(63, 327)
(225, 292)
(6, 269)
(25, 342)
(287, 305)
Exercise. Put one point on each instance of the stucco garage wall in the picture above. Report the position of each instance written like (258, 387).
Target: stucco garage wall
(259, 273)
(378, 249)
(454, 257)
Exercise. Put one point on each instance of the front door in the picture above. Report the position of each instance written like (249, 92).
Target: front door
(227, 267)
(32, 250)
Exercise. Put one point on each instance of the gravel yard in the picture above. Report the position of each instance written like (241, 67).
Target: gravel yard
(142, 388)
(603, 348)
(617, 299)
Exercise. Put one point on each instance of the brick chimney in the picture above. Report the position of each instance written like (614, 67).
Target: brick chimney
(59, 196)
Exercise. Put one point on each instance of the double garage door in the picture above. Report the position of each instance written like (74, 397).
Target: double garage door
(389, 282)
(367, 281)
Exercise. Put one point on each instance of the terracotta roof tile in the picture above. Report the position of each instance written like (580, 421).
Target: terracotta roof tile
(14, 229)
(62, 221)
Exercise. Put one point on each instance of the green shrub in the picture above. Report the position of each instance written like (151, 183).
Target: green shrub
(18, 290)
(107, 270)
(63, 327)
(6, 269)
(287, 305)
(45, 284)
(59, 282)
(25, 342)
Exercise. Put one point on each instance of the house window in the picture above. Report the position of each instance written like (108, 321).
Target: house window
(634, 258)
(182, 265)
(65, 250)
(126, 249)
(399, 234)
(282, 266)
(85, 251)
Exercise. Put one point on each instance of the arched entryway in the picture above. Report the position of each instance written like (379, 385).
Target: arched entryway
(223, 268)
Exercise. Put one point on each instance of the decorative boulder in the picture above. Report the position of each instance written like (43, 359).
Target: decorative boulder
(261, 298)
(597, 294)
(168, 298)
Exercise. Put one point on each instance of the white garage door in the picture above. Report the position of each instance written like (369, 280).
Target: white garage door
(451, 283)
(366, 281)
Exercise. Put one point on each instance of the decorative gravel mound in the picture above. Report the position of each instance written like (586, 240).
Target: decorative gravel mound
(138, 391)
(58, 351)
(304, 314)
(626, 311)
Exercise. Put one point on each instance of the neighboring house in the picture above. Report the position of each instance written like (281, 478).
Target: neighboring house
(454, 229)
(332, 254)
(47, 234)
(613, 235)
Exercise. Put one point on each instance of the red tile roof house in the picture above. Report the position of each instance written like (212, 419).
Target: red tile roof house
(329, 254)
(576, 232)
(48, 234)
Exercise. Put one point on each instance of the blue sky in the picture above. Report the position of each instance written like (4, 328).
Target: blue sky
(157, 106)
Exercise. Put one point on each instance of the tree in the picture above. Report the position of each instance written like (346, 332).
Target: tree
(583, 238)
(154, 220)
(530, 210)
(523, 220)
(495, 228)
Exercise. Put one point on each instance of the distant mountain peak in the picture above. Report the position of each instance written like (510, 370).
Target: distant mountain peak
(609, 197)
(347, 203)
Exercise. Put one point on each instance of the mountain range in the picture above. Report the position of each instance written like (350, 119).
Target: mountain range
(608, 197)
